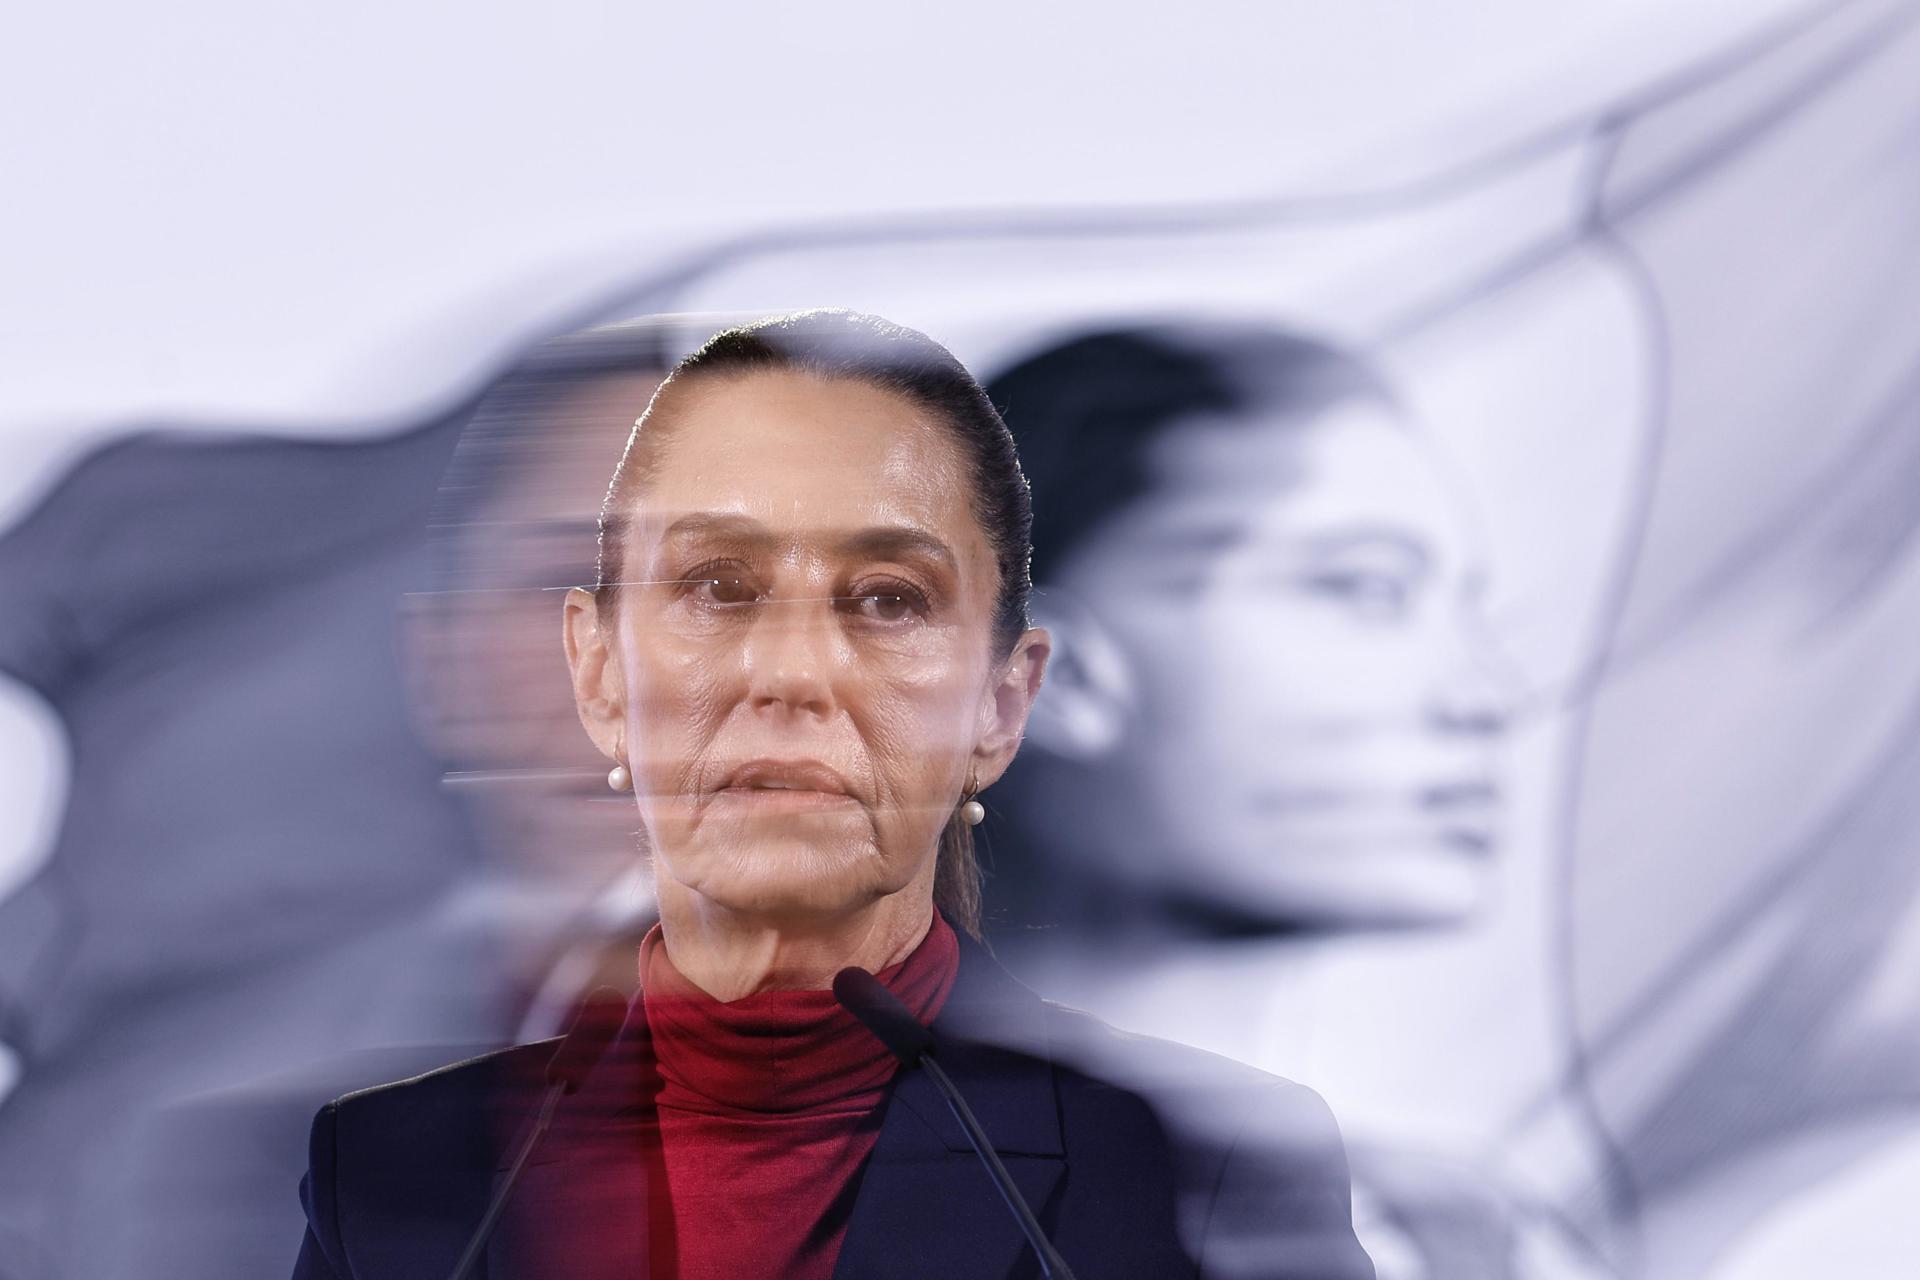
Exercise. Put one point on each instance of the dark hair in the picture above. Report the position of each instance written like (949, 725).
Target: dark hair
(507, 433)
(1088, 412)
(1094, 414)
(847, 345)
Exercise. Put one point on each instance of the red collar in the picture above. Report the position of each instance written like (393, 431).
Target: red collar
(780, 1052)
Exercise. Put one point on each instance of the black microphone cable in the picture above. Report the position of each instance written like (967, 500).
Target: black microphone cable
(880, 1011)
(581, 1048)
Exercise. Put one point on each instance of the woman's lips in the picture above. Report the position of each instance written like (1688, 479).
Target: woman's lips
(791, 774)
(1460, 796)
(1462, 816)
(785, 799)
(769, 784)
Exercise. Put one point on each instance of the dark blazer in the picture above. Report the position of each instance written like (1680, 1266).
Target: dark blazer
(1140, 1157)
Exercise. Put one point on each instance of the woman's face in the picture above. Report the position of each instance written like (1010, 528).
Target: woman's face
(802, 684)
(496, 692)
(1317, 724)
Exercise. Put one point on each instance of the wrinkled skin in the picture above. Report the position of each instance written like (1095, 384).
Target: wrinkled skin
(816, 589)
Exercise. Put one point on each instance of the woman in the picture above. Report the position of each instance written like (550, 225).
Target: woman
(806, 654)
(516, 519)
(1274, 690)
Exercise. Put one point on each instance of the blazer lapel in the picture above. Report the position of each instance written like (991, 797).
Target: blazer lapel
(573, 1219)
(579, 1211)
(926, 1205)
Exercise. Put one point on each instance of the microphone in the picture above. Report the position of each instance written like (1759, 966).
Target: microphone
(580, 1049)
(893, 1025)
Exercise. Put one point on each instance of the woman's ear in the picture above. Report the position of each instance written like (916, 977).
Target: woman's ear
(1090, 690)
(1009, 701)
(599, 691)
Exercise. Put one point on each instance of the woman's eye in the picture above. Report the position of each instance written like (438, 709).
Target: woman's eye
(887, 605)
(728, 589)
(1373, 596)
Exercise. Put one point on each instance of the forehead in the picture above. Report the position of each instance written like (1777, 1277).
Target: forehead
(806, 455)
(1352, 455)
(1233, 481)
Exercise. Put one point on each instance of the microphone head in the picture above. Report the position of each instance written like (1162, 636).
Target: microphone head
(591, 1031)
(880, 1011)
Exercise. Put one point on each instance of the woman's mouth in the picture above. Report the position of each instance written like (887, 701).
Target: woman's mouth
(1462, 815)
(785, 799)
(786, 786)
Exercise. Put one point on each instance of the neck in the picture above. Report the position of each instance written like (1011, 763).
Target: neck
(729, 953)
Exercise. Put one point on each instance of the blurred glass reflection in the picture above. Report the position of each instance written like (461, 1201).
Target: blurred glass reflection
(1275, 695)
(1484, 693)
(515, 524)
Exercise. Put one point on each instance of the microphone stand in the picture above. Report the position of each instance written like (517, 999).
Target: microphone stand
(1051, 1263)
(536, 1131)
(879, 1011)
(579, 1051)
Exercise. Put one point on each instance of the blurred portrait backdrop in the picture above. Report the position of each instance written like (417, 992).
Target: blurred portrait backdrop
(1484, 690)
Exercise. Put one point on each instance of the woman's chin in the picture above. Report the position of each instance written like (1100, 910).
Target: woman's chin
(786, 878)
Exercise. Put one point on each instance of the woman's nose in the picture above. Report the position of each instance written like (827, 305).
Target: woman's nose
(1469, 711)
(790, 655)
(1478, 696)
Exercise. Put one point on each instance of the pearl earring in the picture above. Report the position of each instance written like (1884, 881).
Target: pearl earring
(973, 813)
(619, 778)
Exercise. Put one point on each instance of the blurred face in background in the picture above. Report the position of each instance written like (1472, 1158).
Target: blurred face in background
(496, 685)
(1307, 713)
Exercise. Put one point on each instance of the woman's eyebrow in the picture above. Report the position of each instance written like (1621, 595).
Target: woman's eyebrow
(896, 542)
(1197, 538)
(878, 542)
(1370, 537)
(732, 528)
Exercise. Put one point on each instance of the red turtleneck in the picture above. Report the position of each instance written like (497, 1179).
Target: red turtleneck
(767, 1109)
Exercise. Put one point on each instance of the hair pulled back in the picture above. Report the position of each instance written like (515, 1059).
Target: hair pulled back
(848, 345)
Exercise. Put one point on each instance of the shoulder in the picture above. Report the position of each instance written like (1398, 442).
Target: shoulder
(1254, 1163)
(399, 1166)
(1165, 1068)
(1208, 1105)
(402, 1136)
(423, 1102)
(1206, 1101)
(1259, 1168)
